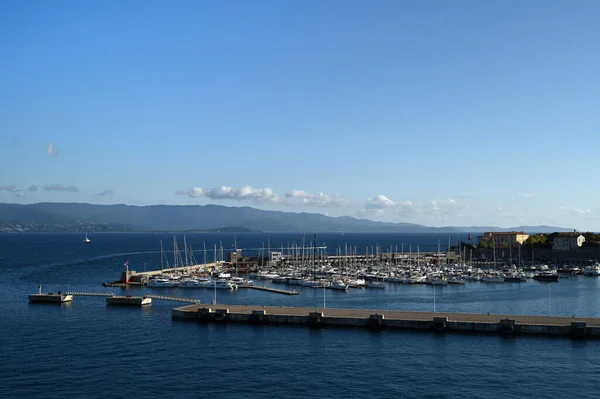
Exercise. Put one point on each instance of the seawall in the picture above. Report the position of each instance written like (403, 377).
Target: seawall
(574, 327)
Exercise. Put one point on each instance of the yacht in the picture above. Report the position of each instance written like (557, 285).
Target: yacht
(310, 283)
(546, 276)
(162, 283)
(375, 284)
(356, 282)
(432, 280)
(189, 283)
(456, 280)
(339, 285)
(204, 282)
(222, 284)
(515, 278)
(294, 281)
(86, 239)
(592, 270)
(263, 275)
(492, 279)
(241, 281)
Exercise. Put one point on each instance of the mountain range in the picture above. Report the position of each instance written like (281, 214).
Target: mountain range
(49, 216)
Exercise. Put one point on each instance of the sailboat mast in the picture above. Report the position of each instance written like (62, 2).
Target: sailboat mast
(162, 255)
(314, 258)
(494, 252)
(186, 251)
(174, 252)
(236, 253)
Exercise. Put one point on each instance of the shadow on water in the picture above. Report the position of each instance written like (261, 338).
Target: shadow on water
(118, 309)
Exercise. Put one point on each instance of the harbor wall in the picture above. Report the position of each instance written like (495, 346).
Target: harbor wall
(558, 326)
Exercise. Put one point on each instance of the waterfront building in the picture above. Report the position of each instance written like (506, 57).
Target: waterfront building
(568, 241)
(506, 239)
(275, 256)
(235, 256)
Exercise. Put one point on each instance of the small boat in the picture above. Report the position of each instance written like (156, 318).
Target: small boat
(189, 283)
(310, 283)
(222, 284)
(375, 284)
(356, 283)
(339, 285)
(294, 280)
(162, 283)
(515, 279)
(86, 239)
(593, 270)
(546, 276)
(492, 279)
(432, 280)
(264, 275)
(456, 280)
(241, 281)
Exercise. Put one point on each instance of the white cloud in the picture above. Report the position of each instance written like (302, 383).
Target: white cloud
(246, 193)
(194, 192)
(51, 149)
(578, 211)
(434, 212)
(106, 193)
(60, 187)
(298, 194)
(525, 195)
(13, 189)
(379, 202)
(33, 188)
(301, 197)
(266, 196)
(326, 200)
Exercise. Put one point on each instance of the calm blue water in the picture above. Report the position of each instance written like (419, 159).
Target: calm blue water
(85, 349)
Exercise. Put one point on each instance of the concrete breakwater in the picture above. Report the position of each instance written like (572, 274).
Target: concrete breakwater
(580, 327)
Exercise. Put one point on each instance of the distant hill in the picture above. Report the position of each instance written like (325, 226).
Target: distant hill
(228, 229)
(80, 217)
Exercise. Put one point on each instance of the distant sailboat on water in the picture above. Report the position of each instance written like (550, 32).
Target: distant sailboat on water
(86, 238)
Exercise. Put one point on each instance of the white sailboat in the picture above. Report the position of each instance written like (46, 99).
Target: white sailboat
(86, 239)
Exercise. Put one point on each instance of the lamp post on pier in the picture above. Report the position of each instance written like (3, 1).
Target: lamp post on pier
(434, 297)
(549, 300)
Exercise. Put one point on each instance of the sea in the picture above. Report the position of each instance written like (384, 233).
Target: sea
(85, 349)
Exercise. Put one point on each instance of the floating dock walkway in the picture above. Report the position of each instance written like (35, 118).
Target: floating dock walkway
(576, 327)
(111, 298)
(172, 298)
(268, 289)
(80, 293)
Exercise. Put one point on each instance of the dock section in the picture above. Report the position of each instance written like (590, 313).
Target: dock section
(576, 327)
(111, 298)
(50, 298)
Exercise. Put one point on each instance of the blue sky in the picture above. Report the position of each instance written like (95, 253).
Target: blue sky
(432, 112)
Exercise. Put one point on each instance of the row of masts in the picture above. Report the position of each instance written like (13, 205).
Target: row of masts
(306, 255)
